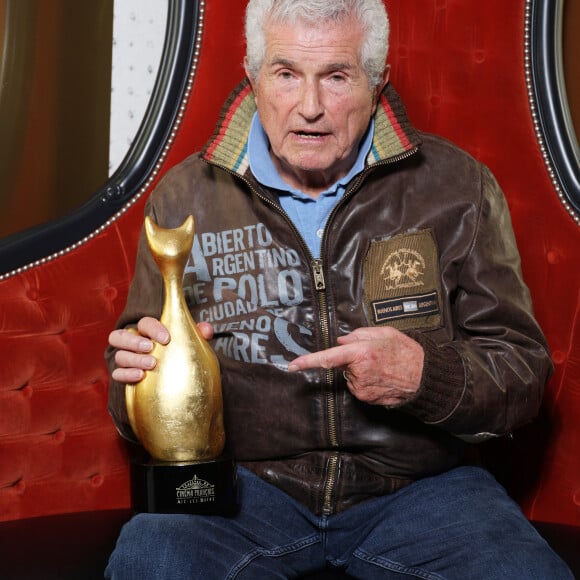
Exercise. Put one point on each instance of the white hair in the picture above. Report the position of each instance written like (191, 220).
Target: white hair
(370, 13)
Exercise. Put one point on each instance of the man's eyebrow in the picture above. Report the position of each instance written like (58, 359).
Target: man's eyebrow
(337, 66)
(279, 61)
(333, 66)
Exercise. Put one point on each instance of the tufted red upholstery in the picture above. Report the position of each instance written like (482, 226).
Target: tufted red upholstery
(59, 451)
(459, 65)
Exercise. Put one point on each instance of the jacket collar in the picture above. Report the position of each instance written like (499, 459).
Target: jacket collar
(228, 147)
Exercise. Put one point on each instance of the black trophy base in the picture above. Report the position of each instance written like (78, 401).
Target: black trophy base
(200, 487)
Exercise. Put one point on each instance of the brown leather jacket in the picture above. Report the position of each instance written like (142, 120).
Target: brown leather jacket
(421, 240)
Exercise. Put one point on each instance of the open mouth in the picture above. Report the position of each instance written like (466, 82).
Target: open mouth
(310, 134)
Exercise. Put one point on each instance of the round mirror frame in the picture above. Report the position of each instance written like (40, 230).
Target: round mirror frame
(140, 166)
(547, 92)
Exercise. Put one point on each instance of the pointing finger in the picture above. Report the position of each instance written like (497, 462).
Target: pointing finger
(331, 358)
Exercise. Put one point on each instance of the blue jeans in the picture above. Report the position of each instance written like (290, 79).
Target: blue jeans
(458, 525)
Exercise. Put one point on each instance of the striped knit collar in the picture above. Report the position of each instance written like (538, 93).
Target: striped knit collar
(228, 146)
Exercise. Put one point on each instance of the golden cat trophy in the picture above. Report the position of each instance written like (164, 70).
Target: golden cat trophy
(176, 410)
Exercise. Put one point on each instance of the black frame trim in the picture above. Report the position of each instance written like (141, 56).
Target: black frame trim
(32, 245)
(548, 85)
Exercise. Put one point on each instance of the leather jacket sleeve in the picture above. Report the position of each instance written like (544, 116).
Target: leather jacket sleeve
(489, 379)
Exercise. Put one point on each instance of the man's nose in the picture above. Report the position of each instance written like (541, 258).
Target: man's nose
(310, 106)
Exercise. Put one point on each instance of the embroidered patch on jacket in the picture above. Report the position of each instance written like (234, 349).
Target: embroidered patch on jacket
(402, 282)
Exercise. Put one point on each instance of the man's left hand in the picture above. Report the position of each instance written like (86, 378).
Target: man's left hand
(382, 366)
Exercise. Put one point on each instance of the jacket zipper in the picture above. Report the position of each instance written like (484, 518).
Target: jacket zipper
(317, 266)
(331, 411)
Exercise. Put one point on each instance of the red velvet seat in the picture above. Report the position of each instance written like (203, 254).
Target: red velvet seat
(462, 69)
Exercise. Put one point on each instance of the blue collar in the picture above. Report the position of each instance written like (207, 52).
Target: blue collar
(265, 171)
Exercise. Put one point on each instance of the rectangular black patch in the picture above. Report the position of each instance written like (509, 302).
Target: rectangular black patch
(405, 307)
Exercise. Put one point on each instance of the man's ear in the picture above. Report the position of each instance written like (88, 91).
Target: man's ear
(380, 87)
(249, 76)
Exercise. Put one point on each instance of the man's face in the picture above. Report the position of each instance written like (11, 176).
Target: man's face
(314, 101)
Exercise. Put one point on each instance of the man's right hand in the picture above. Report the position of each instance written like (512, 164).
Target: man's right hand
(133, 347)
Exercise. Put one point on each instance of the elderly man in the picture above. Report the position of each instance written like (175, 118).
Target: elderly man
(370, 319)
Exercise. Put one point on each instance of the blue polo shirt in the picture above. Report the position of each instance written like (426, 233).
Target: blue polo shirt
(308, 214)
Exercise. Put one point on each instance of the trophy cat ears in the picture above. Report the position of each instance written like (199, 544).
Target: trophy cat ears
(170, 243)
